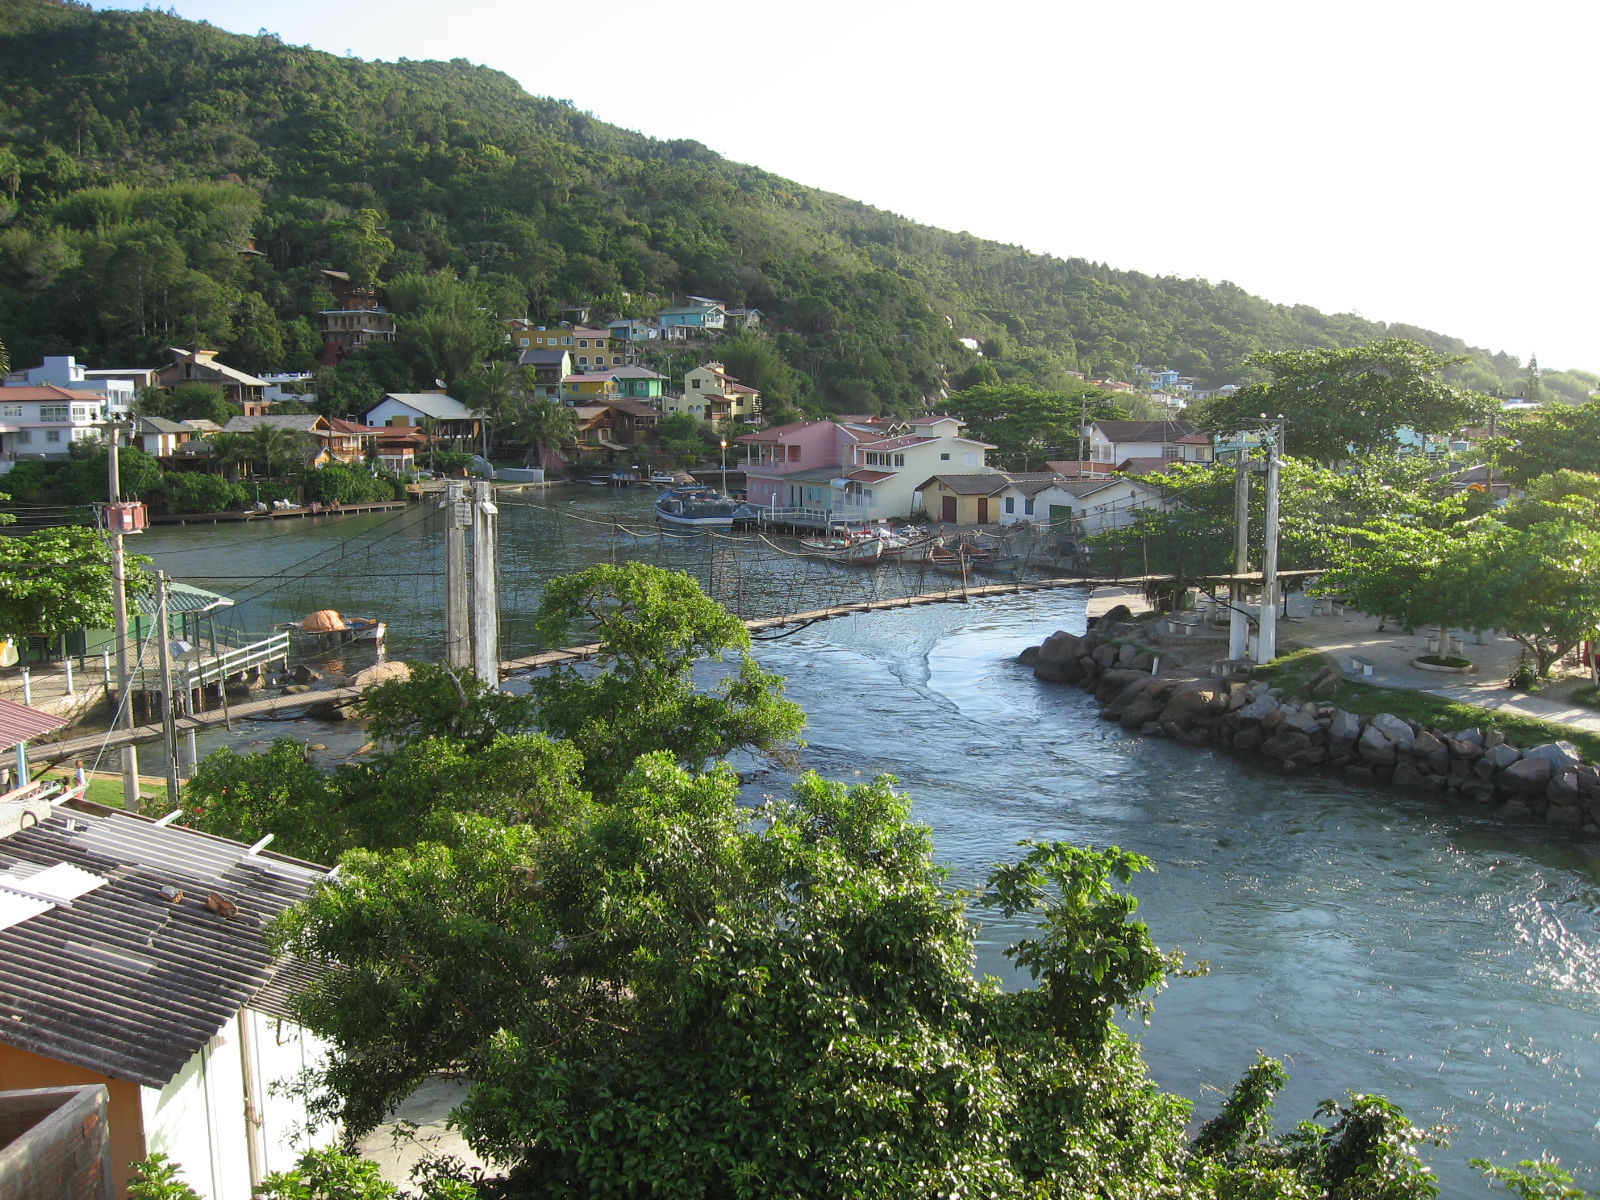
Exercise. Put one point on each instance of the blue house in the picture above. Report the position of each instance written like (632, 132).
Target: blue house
(694, 316)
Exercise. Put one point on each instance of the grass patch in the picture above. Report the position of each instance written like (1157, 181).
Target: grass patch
(106, 791)
(1434, 660)
(1292, 670)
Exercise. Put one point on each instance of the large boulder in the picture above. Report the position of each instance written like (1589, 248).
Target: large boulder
(1499, 757)
(1563, 756)
(1140, 713)
(1185, 707)
(1480, 790)
(1303, 722)
(1406, 775)
(1462, 750)
(1343, 731)
(1112, 682)
(1374, 748)
(1311, 756)
(1105, 656)
(1526, 776)
(384, 672)
(1259, 707)
(1249, 739)
(1473, 736)
(1392, 727)
(1113, 616)
(1284, 743)
(1127, 654)
(1029, 656)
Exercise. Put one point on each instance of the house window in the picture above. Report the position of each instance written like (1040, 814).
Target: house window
(1011, 504)
(52, 435)
(969, 460)
(24, 437)
(566, 341)
(10, 410)
(899, 460)
(81, 412)
(54, 412)
(583, 360)
(944, 458)
(616, 360)
(1027, 507)
(694, 383)
(794, 453)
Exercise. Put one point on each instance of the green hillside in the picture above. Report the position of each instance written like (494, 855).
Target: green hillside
(144, 152)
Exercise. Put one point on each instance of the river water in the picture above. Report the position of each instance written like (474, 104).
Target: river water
(1376, 941)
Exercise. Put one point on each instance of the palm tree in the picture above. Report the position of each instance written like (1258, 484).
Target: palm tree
(430, 431)
(545, 424)
(493, 388)
(228, 450)
(273, 445)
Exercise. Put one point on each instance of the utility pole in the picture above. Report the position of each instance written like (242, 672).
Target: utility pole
(485, 590)
(1267, 638)
(457, 631)
(169, 724)
(1238, 618)
(123, 713)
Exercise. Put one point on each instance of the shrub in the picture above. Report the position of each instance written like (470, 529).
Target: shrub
(27, 479)
(268, 490)
(348, 484)
(196, 492)
(450, 460)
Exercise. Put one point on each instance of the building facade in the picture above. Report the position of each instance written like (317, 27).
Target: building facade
(41, 423)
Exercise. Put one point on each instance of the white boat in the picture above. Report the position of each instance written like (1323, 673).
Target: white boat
(697, 508)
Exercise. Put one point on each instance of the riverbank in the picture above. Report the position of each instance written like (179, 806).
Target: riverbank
(1145, 685)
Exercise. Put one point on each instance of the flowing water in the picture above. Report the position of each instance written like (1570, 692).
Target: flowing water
(1376, 941)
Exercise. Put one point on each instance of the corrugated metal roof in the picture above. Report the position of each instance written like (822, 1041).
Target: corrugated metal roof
(126, 982)
(19, 723)
(185, 598)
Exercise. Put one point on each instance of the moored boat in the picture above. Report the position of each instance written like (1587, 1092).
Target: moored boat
(697, 508)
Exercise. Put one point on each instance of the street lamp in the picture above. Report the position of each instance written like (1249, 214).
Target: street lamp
(724, 466)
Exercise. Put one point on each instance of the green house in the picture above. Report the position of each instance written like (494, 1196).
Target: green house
(638, 383)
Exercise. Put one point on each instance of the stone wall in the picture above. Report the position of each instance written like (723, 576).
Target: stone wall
(1148, 691)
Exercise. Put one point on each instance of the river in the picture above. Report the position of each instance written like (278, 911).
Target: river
(1376, 941)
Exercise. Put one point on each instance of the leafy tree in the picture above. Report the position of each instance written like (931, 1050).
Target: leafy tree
(652, 626)
(260, 346)
(328, 1174)
(58, 580)
(1541, 585)
(197, 400)
(754, 360)
(1342, 403)
(1534, 1179)
(197, 492)
(1029, 426)
(347, 483)
(84, 479)
(494, 389)
(545, 425)
(276, 447)
(1556, 439)
(155, 1177)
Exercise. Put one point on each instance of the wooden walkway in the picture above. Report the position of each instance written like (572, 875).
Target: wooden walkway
(225, 518)
(52, 753)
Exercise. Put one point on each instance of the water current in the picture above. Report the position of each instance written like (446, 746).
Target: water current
(1376, 941)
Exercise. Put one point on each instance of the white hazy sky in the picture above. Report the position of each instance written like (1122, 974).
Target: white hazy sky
(1411, 160)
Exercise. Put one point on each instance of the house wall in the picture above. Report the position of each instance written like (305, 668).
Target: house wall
(968, 510)
(55, 1144)
(388, 411)
(21, 1069)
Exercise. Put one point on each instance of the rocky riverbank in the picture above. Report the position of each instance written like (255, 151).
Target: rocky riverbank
(1149, 690)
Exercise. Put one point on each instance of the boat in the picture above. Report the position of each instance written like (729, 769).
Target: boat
(661, 479)
(698, 508)
(961, 556)
(599, 481)
(867, 552)
(328, 623)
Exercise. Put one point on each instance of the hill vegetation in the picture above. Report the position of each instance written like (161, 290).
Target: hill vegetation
(142, 154)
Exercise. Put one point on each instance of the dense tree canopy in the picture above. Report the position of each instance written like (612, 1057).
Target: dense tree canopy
(144, 153)
(1027, 426)
(1343, 403)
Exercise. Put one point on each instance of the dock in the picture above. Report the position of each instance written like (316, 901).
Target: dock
(224, 518)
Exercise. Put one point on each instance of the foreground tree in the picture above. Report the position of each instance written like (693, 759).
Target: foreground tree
(58, 580)
(1028, 426)
(1345, 402)
(1561, 437)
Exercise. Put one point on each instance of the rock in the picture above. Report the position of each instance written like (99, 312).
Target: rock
(313, 745)
(1425, 743)
(1392, 727)
(1087, 667)
(1406, 775)
(1356, 772)
(1439, 762)
(383, 672)
(1343, 730)
(1060, 647)
(1112, 682)
(1188, 706)
(1282, 745)
(1258, 707)
(1484, 769)
(1112, 616)
(1513, 810)
(1563, 789)
(1249, 739)
(1275, 718)
(1563, 756)
(1311, 756)
(1302, 722)
(1478, 789)
(1526, 775)
(305, 674)
(1194, 737)
(1501, 756)
(1106, 714)
(1493, 738)
(1568, 816)
(296, 689)
(1126, 654)
(1374, 748)
(1151, 729)
(1472, 736)
(1140, 713)
(1463, 751)
(1030, 656)
(1105, 656)
(1257, 689)
(1143, 662)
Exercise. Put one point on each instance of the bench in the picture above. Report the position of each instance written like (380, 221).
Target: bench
(1360, 666)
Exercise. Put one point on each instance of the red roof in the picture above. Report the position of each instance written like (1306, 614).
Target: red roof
(910, 439)
(19, 723)
(869, 476)
(777, 431)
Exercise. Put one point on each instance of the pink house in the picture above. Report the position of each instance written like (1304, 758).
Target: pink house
(788, 465)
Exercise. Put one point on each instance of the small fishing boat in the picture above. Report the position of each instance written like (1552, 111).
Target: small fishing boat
(599, 480)
(329, 625)
(661, 479)
(867, 552)
(698, 508)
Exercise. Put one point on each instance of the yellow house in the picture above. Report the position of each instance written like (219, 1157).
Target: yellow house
(711, 394)
(589, 388)
(963, 499)
(591, 349)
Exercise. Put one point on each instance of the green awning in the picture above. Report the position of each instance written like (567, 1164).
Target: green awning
(185, 598)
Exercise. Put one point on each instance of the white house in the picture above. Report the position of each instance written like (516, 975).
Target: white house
(711, 394)
(454, 418)
(1116, 442)
(117, 387)
(42, 422)
(1081, 506)
(134, 956)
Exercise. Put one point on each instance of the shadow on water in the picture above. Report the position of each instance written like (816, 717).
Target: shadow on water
(1378, 941)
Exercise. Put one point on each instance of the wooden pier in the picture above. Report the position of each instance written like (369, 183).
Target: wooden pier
(226, 518)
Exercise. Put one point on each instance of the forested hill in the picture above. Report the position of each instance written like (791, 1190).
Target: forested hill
(144, 152)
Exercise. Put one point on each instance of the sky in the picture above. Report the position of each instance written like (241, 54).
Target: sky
(1411, 160)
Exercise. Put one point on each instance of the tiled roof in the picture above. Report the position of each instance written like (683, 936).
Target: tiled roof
(601, 377)
(898, 443)
(1144, 431)
(1147, 466)
(542, 358)
(46, 391)
(776, 432)
(19, 723)
(970, 485)
(300, 422)
(162, 425)
(126, 982)
(870, 476)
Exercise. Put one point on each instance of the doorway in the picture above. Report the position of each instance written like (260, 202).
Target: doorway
(949, 514)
